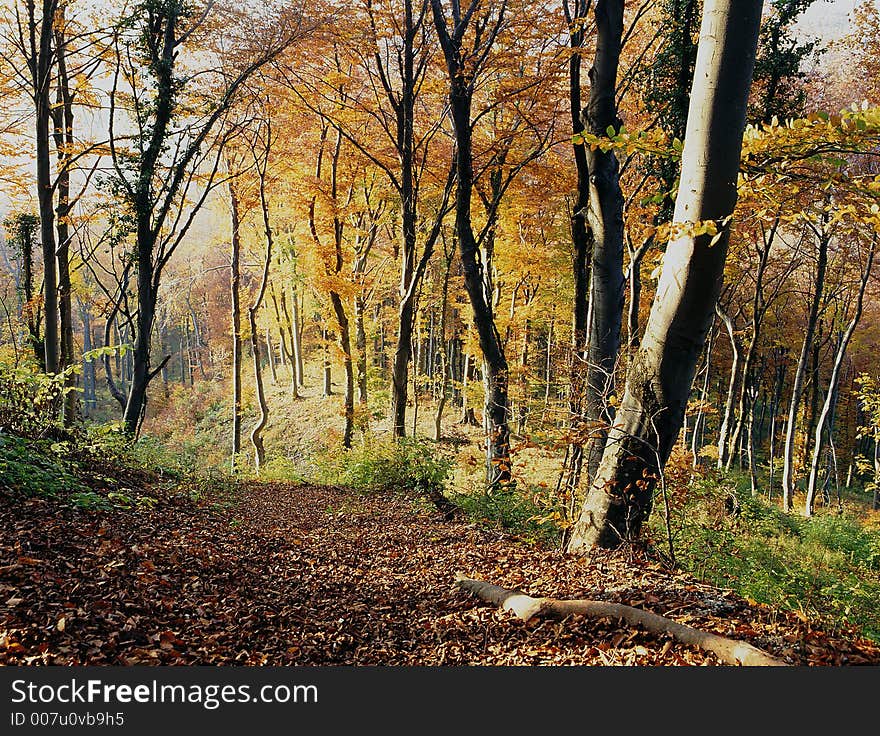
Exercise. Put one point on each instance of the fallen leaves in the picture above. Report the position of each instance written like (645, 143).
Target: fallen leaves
(281, 580)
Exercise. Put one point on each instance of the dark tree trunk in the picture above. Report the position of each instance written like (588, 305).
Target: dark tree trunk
(582, 245)
(89, 377)
(327, 368)
(254, 308)
(345, 347)
(405, 111)
(64, 141)
(461, 88)
(605, 219)
(235, 297)
(42, 55)
(660, 377)
(361, 346)
(136, 404)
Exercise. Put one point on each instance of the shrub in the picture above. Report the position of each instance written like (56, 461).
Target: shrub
(515, 511)
(32, 469)
(844, 534)
(30, 402)
(409, 464)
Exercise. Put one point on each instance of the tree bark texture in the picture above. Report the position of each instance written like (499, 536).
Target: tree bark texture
(660, 377)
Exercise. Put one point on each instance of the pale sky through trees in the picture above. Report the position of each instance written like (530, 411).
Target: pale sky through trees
(828, 19)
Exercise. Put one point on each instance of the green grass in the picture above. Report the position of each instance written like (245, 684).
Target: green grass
(826, 567)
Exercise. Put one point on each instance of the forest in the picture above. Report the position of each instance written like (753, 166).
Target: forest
(338, 332)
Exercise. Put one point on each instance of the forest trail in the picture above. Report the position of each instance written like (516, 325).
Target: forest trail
(298, 575)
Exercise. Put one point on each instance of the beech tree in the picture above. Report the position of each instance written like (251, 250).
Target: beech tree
(466, 40)
(659, 379)
(157, 166)
(597, 229)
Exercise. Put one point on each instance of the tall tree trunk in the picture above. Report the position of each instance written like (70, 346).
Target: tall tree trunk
(253, 310)
(548, 364)
(525, 398)
(117, 393)
(25, 229)
(774, 412)
(605, 218)
(659, 379)
(284, 332)
(62, 115)
(696, 438)
(89, 377)
(800, 373)
(444, 354)
(461, 88)
(163, 340)
(295, 335)
(42, 55)
(327, 367)
(634, 279)
(736, 350)
(270, 355)
(136, 404)
(827, 407)
(759, 306)
(814, 388)
(235, 297)
(582, 245)
(405, 111)
(361, 347)
(345, 346)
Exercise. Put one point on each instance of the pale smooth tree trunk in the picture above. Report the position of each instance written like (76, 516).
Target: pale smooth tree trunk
(834, 381)
(727, 417)
(660, 377)
(800, 375)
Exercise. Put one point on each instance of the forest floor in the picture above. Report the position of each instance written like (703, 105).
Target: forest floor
(301, 575)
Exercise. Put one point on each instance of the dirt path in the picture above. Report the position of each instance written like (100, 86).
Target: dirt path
(304, 575)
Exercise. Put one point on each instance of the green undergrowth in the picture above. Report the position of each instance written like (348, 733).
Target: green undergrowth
(97, 470)
(519, 512)
(377, 465)
(826, 568)
(86, 467)
(90, 466)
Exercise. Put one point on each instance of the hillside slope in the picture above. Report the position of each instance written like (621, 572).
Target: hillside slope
(293, 575)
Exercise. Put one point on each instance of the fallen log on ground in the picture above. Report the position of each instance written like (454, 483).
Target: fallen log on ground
(729, 651)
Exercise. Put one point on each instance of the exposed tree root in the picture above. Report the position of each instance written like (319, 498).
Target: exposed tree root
(525, 607)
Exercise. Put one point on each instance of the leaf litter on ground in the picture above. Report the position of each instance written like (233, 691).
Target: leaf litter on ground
(306, 575)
